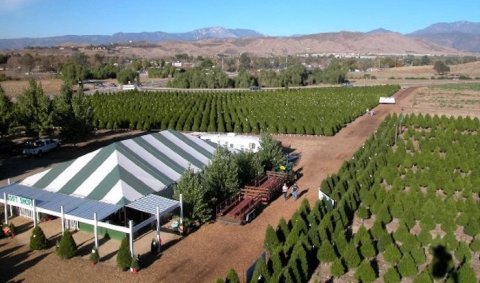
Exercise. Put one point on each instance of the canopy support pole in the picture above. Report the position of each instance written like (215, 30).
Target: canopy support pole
(34, 213)
(158, 224)
(130, 225)
(95, 229)
(5, 207)
(63, 219)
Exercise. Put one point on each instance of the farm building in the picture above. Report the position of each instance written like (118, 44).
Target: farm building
(232, 141)
(131, 179)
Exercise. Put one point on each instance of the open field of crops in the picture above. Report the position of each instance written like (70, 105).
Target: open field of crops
(308, 111)
(407, 207)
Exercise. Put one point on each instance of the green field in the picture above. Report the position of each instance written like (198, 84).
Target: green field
(419, 201)
(460, 86)
(308, 111)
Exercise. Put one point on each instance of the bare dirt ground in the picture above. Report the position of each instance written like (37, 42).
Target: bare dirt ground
(211, 251)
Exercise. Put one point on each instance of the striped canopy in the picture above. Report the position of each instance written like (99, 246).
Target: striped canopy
(127, 170)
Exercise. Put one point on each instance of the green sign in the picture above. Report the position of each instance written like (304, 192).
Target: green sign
(20, 200)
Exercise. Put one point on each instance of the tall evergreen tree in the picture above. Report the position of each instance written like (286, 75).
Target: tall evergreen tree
(221, 177)
(6, 113)
(74, 114)
(34, 110)
(195, 206)
(270, 153)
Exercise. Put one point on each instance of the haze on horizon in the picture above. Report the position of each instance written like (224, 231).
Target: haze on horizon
(42, 18)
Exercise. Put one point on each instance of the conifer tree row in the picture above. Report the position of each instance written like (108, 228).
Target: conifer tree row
(307, 111)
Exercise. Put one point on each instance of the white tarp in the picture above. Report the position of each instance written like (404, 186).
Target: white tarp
(387, 100)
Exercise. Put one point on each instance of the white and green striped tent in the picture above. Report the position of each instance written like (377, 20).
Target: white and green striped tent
(128, 170)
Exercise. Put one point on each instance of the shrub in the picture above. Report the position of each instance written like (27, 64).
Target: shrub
(94, 256)
(271, 239)
(418, 254)
(407, 266)
(475, 245)
(38, 241)
(466, 274)
(351, 256)
(367, 249)
(365, 272)
(463, 252)
(134, 265)
(260, 274)
(67, 247)
(363, 212)
(425, 237)
(472, 228)
(392, 254)
(124, 258)
(326, 253)
(337, 269)
(391, 276)
(232, 277)
(424, 277)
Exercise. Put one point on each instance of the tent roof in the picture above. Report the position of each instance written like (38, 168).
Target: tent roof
(80, 207)
(150, 203)
(127, 170)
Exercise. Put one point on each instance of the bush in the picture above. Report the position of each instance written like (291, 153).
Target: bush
(466, 274)
(463, 253)
(391, 276)
(94, 256)
(351, 256)
(407, 266)
(124, 258)
(134, 265)
(475, 245)
(326, 253)
(418, 254)
(363, 212)
(365, 272)
(67, 247)
(337, 269)
(271, 240)
(424, 277)
(232, 277)
(392, 254)
(367, 249)
(38, 241)
(260, 274)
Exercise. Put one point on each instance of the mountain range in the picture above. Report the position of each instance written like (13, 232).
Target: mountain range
(440, 38)
(463, 36)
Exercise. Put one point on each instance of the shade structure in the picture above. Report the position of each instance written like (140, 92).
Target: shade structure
(126, 171)
(74, 206)
(149, 204)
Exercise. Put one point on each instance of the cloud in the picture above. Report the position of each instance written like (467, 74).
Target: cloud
(14, 5)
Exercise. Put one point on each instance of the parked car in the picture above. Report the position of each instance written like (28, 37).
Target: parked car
(39, 147)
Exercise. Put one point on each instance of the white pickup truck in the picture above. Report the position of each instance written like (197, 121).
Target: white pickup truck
(39, 147)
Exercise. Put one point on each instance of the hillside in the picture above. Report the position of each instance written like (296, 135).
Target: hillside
(326, 43)
(464, 36)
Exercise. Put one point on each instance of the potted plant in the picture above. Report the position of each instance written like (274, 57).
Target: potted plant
(135, 265)
(94, 257)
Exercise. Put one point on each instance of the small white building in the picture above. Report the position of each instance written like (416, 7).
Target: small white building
(232, 141)
(129, 87)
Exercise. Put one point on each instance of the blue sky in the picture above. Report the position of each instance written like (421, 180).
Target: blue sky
(39, 18)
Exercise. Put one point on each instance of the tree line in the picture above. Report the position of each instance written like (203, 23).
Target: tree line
(38, 115)
(321, 111)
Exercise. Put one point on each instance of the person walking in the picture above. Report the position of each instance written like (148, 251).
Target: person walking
(285, 190)
(294, 191)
